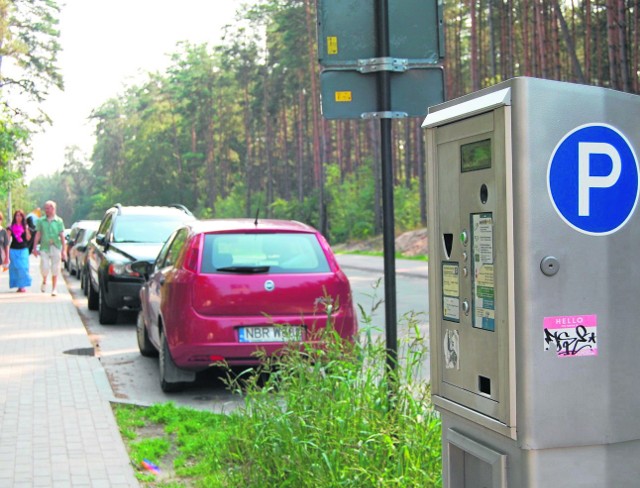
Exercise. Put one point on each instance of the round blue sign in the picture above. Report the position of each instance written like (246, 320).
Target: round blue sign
(593, 179)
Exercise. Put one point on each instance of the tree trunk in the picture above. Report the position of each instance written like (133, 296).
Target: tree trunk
(587, 41)
(622, 43)
(315, 94)
(612, 43)
(300, 153)
(492, 41)
(422, 179)
(407, 153)
(475, 81)
(525, 38)
(575, 63)
(269, 122)
(246, 118)
(636, 47)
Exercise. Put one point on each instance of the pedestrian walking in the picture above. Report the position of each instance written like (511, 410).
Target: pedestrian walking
(4, 245)
(52, 246)
(20, 235)
(31, 223)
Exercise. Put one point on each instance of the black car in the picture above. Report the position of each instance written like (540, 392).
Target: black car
(81, 233)
(126, 234)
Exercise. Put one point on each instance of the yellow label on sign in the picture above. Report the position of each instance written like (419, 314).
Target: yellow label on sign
(332, 45)
(343, 96)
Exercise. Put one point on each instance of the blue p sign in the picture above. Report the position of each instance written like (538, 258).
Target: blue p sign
(593, 179)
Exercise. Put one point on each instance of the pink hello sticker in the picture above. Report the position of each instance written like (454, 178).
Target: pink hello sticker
(571, 335)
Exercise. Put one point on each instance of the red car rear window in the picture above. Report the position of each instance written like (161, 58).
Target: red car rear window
(263, 252)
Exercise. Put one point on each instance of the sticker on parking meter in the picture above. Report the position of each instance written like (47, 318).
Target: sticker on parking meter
(451, 291)
(451, 349)
(571, 335)
(593, 179)
(483, 276)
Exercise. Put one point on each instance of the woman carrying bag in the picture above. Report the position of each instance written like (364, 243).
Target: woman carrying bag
(20, 234)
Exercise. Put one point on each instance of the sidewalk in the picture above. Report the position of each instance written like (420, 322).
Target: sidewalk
(57, 428)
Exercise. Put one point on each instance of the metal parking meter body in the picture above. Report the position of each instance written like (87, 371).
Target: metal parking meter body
(533, 284)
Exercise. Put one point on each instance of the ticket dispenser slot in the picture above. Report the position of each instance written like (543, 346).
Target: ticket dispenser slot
(470, 166)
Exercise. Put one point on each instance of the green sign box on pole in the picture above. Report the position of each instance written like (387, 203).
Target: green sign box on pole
(346, 31)
(347, 50)
(352, 95)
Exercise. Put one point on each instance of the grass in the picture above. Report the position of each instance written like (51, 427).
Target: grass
(335, 416)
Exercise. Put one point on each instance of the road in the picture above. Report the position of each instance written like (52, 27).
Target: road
(134, 378)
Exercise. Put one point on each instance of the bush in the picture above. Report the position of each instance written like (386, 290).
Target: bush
(337, 417)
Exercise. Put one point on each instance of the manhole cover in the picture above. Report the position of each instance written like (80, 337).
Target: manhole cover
(81, 351)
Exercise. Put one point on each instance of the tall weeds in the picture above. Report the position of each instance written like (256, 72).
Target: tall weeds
(336, 416)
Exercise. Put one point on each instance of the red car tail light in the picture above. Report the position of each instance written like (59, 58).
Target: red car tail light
(193, 255)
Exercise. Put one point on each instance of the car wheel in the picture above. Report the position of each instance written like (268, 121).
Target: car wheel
(106, 315)
(87, 283)
(144, 344)
(93, 299)
(167, 366)
(84, 282)
(78, 271)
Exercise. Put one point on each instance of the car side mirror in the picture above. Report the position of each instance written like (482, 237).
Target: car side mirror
(101, 239)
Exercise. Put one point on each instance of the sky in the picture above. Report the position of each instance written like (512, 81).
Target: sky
(108, 45)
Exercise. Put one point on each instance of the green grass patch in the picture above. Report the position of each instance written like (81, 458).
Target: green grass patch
(334, 416)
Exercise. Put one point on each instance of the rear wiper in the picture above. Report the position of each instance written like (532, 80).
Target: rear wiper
(245, 269)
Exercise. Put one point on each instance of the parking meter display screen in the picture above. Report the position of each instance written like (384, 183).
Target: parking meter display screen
(475, 156)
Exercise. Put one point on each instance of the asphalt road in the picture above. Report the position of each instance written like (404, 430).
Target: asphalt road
(134, 378)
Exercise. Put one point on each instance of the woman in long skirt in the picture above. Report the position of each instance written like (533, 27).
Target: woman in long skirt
(19, 252)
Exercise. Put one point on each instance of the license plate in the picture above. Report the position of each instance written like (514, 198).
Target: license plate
(270, 334)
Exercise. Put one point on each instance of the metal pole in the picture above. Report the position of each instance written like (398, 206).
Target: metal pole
(384, 105)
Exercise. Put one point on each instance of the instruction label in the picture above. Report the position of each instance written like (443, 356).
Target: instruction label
(451, 291)
(483, 275)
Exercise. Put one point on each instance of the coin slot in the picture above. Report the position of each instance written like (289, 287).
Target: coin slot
(448, 244)
(484, 385)
(484, 194)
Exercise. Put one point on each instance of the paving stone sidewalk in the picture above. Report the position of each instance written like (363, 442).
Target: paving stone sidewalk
(57, 428)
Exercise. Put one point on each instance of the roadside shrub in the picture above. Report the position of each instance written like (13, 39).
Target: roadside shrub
(337, 416)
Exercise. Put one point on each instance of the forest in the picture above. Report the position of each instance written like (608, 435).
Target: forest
(234, 129)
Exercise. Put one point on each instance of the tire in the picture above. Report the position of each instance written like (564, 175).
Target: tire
(78, 271)
(144, 344)
(93, 300)
(166, 363)
(106, 315)
(85, 283)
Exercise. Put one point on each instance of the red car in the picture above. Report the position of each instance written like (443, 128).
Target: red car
(221, 290)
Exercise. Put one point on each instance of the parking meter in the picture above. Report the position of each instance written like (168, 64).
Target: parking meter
(534, 285)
